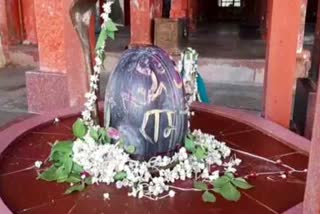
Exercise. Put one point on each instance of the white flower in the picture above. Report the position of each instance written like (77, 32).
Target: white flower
(106, 196)
(107, 7)
(56, 120)
(172, 193)
(94, 78)
(38, 164)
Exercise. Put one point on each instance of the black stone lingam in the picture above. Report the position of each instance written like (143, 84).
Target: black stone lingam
(145, 101)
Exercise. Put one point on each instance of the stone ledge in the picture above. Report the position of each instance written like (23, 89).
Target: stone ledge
(46, 91)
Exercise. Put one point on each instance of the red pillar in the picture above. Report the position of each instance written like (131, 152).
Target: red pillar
(62, 79)
(142, 13)
(29, 21)
(312, 193)
(193, 7)
(10, 30)
(284, 26)
(179, 9)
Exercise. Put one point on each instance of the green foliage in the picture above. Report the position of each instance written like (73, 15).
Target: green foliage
(100, 136)
(200, 186)
(189, 145)
(130, 149)
(107, 32)
(63, 169)
(198, 151)
(75, 188)
(79, 129)
(208, 197)
(120, 176)
(229, 192)
(241, 183)
(225, 185)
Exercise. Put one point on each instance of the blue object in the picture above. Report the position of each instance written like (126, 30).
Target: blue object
(202, 90)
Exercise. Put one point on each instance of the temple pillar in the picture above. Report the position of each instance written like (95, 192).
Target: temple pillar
(281, 59)
(193, 9)
(61, 80)
(142, 13)
(29, 21)
(179, 9)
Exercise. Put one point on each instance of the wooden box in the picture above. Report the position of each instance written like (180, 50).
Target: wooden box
(171, 34)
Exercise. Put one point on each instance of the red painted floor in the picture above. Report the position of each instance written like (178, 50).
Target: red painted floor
(22, 193)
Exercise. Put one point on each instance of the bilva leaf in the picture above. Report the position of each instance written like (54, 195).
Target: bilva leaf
(49, 175)
(208, 197)
(111, 34)
(221, 181)
(94, 134)
(189, 145)
(77, 169)
(111, 26)
(62, 146)
(75, 188)
(229, 192)
(200, 153)
(102, 38)
(120, 176)
(79, 129)
(230, 175)
(241, 183)
(200, 186)
(130, 149)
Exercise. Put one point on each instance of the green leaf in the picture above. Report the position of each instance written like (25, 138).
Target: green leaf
(189, 145)
(120, 176)
(94, 134)
(49, 175)
(130, 149)
(75, 188)
(67, 166)
(229, 192)
(241, 183)
(111, 34)
(60, 151)
(88, 181)
(73, 179)
(61, 174)
(102, 38)
(111, 26)
(200, 153)
(103, 137)
(77, 169)
(200, 186)
(221, 181)
(208, 197)
(230, 175)
(79, 129)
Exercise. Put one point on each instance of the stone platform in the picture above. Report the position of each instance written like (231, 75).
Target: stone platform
(29, 140)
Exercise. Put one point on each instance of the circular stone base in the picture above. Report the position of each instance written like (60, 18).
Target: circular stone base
(31, 139)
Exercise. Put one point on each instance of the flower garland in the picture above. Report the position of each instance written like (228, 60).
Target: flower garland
(108, 29)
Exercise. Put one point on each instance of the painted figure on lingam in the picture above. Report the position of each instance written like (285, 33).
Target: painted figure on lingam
(145, 101)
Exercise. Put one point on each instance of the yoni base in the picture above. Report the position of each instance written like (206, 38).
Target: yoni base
(46, 91)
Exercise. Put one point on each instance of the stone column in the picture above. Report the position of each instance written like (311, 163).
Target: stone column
(142, 13)
(281, 59)
(61, 80)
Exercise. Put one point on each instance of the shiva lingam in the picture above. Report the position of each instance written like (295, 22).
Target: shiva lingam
(150, 111)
